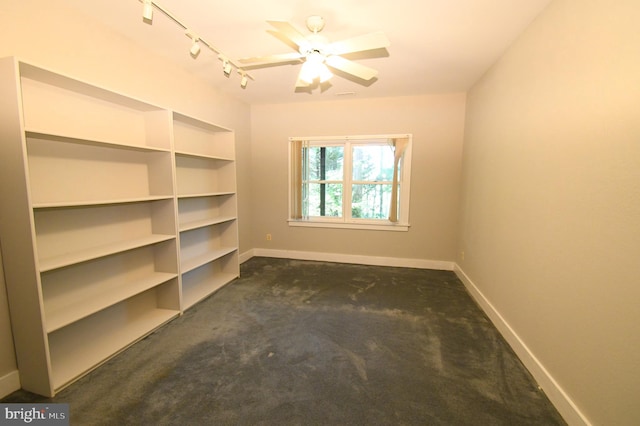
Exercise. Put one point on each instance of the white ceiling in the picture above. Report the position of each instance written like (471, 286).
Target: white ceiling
(437, 46)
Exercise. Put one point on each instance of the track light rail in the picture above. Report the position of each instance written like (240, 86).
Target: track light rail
(227, 63)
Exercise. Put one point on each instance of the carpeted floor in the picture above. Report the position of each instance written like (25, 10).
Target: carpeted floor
(314, 343)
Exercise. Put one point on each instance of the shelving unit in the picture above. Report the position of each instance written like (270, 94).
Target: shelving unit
(121, 215)
(207, 212)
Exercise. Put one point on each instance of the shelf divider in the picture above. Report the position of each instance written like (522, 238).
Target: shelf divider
(205, 222)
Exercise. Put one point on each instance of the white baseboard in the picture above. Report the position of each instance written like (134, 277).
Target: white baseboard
(558, 397)
(9, 383)
(243, 257)
(348, 258)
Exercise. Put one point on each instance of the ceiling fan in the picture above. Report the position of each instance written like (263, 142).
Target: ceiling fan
(318, 55)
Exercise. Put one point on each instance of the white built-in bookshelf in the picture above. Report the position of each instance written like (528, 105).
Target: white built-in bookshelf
(207, 225)
(117, 215)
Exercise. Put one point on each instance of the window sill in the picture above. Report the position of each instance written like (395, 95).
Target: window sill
(349, 225)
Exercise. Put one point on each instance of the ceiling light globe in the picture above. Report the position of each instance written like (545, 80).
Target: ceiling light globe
(324, 74)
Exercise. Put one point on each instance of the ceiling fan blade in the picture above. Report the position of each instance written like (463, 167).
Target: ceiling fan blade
(271, 59)
(350, 67)
(371, 41)
(290, 32)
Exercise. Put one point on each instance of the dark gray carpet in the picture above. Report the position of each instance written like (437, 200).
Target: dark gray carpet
(314, 343)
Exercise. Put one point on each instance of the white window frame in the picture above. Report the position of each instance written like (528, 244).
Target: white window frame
(346, 221)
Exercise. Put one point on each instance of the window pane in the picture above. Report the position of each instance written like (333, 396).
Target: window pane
(372, 163)
(370, 201)
(325, 163)
(324, 200)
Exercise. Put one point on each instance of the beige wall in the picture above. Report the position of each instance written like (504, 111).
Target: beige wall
(51, 35)
(550, 223)
(436, 123)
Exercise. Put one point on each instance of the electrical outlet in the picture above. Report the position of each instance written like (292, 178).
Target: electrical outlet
(268, 237)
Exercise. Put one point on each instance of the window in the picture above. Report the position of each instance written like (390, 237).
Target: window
(351, 182)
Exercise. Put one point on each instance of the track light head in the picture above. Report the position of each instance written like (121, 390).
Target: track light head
(147, 11)
(195, 49)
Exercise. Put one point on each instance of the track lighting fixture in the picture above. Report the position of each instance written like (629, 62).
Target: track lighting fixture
(147, 10)
(196, 42)
(195, 47)
(226, 67)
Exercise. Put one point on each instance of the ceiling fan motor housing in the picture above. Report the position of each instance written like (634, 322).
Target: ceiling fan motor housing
(315, 43)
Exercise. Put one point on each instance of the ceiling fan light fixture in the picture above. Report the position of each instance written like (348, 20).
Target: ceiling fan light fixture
(324, 74)
(314, 67)
(308, 72)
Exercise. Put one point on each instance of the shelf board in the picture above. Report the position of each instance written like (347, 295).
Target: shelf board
(71, 359)
(203, 124)
(207, 156)
(68, 259)
(63, 204)
(198, 291)
(81, 304)
(205, 222)
(193, 263)
(206, 194)
(39, 134)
